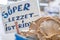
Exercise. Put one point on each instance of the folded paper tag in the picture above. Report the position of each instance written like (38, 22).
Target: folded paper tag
(22, 12)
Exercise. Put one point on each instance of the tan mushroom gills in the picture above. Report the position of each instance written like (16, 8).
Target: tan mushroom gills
(46, 28)
(50, 28)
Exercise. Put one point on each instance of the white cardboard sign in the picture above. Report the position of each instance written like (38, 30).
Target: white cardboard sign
(23, 12)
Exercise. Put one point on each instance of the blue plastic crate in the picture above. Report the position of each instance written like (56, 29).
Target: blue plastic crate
(19, 37)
